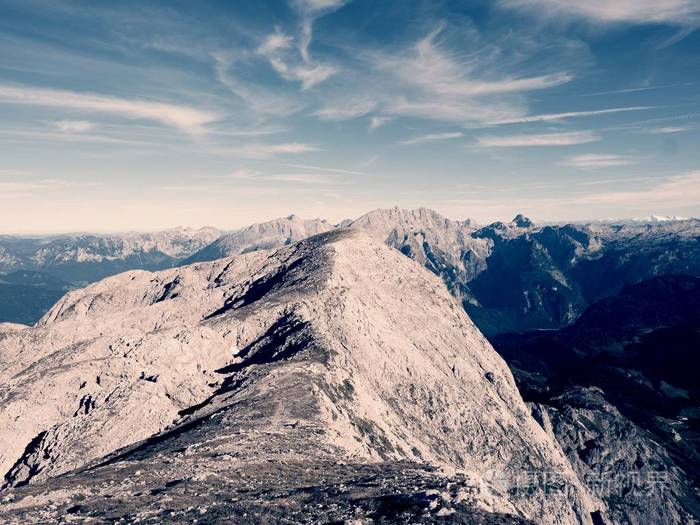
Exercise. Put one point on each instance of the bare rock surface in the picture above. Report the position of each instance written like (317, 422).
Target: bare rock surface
(619, 461)
(278, 375)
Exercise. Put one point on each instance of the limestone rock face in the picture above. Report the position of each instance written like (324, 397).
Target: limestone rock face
(333, 351)
(620, 462)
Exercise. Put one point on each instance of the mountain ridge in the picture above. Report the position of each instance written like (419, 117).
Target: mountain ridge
(324, 320)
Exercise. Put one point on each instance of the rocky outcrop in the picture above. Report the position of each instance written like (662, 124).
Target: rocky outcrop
(619, 462)
(335, 352)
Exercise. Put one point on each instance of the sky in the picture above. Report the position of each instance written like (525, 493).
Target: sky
(146, 115)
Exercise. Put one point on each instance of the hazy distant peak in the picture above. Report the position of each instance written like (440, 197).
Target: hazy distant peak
(659, 218)
(261, 236)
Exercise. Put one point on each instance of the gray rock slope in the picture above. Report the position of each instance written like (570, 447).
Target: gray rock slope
(620, 462)
(333, 361)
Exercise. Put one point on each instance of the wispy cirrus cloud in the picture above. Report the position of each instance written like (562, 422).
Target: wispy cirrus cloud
(377, 121)
(538, 139)
(432, 137)
(676, 12)
(597, 161)
(260, 100)
(321, 168)
(667, 130)
(553, 117)
(638, 89)
(278, 49)
(266, 151)
(309, 11)
(185, 118)
(73, 126)
(346, 110)
(435, 79)
(290, 56)
(435, 83)
(441, 72)
(248, 175)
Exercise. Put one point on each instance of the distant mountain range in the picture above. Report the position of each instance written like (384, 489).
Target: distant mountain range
(85, 258)
(36, 271)
(262, 236)
(509, 276)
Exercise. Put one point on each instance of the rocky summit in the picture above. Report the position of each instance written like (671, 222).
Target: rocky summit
(330, 380)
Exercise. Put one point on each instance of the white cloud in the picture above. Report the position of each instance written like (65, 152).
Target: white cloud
(595, 161)
(464, 111)
(239, 174)
(377, 121)
(14, 135)
(565, 116)
(309, 11)
(185, 118)
(314, 6)
(544, 139)
(638, 89)
(293, 178)
(266, 151)
(346, 110)
(258, 99)
(321, 168)
(676, 12)
(275, 42)
(441, 72)
(277, 47)
(432, 137)
(74, 126)
(435, 83)
(309, 76)
(667, 130)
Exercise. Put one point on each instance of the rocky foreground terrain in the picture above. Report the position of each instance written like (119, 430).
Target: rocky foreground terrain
(330, 380)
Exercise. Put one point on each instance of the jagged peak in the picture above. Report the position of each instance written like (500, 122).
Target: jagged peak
(397, 210)
(520, 221)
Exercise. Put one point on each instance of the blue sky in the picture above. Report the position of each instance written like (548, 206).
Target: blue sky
(144, 115)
